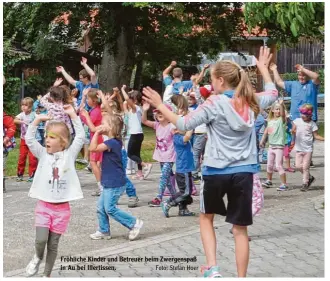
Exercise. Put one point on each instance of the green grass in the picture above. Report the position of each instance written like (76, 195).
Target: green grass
(321, 129)
(147, 150)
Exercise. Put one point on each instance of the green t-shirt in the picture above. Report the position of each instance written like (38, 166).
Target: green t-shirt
(276, 132)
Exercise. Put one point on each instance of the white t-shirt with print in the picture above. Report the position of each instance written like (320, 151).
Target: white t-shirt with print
(304, 135)
(134, 121)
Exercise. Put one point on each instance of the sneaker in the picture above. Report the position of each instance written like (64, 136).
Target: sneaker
(211, 272)
(33, 266)
(19, 178)
(312, 165)
(267, 184)
(96, 193)
(30, 179)
(135, 231)
(133, 202)
(283, 187)
(147, 170)
(165, 209)
(290, 170)
(311, 180)
(186, 213)
(99, 235)
(89, 169)
(304, 187)
(155, 202)
(82, 161)
(130, 172)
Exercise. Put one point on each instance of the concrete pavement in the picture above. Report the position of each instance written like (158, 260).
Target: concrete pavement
(287, 237)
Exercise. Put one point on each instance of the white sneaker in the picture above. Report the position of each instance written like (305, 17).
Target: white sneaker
(134, 233)
(33, 267)
(99, 235)
(147, 171)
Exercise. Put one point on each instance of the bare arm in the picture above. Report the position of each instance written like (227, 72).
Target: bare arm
(94, 146)
(187, 136)
(167, 70)
(277, 78)
(128, 100)
(264, 137)
(317, 136)
(104, 102)
(66, 75)
(89, 70)
(283, 111)
(201, 75)
(311, 74)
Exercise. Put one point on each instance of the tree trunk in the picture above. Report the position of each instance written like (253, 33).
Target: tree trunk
(138, 75)
(116, 68)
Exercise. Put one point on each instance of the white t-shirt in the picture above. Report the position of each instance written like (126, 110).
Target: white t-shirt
(304, 135)
(201, 129)
(56, 179)
(134, 121)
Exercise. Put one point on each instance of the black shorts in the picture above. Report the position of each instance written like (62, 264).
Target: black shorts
(238, 188)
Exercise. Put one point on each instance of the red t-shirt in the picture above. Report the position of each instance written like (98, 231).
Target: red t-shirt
(96, 118)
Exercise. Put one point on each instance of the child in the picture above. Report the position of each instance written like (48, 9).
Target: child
(184, 167)
(9, 143)
(55, 184)
(24, 119)
(230, 158)
(276, 134)
(92, 119)
(39, 109)
(54, 101)
(287, 147)
(113, 180)
(109, 107)
(164, 152)
(304, 130)
(135, 142)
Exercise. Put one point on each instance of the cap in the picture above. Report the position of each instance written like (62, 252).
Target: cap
(206, 91)
(167, 105)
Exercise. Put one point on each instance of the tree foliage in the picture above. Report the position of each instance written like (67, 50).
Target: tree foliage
(287, 21)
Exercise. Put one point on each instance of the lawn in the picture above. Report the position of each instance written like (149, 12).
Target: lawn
(148, 147)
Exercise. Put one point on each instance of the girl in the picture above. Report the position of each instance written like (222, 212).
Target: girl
(55, 184)
(24, 119)
(92, 119)
(230, 158)
(135, 142)
(54, 101)
(112, 179)
(164, 152)
(276, 134)
(184, 167)
(304, 130)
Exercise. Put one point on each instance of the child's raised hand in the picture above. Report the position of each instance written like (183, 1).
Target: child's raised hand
(123, 88)
(173, 63)
(83, 61)
(116, 90)
(99, 94)
(58, 82)
(152, 97)
(59, 69)
(206, 66)
(68, 109)
(273, 66)
(264, 58)
(146, 106)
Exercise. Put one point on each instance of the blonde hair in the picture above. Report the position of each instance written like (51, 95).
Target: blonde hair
(92, 94)
(65, 135)
(28, 101)
(235, 77)
(271, 115)
(181, 103)
(177, 72)
(115, 123)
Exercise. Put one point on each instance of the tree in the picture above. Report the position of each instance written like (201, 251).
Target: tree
(127, 34)
(287, 21)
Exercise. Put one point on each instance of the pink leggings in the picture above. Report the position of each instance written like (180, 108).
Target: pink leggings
(275, 156)
(303, 160)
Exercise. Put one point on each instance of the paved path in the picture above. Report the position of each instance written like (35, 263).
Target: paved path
(287, 238)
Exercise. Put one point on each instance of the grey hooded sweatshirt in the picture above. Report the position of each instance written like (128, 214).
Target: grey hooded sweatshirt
(231, 140)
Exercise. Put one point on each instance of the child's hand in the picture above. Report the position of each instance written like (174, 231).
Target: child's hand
(173, 63)
(262, 144)
(100, 94)
(83, 61)
(206, 66)
(59, 69)
(123, 88)
(68, 109)
(299, 67)
(58, 82)
(273, 66)
(146, 106)
(43, 117)
(116, 90)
